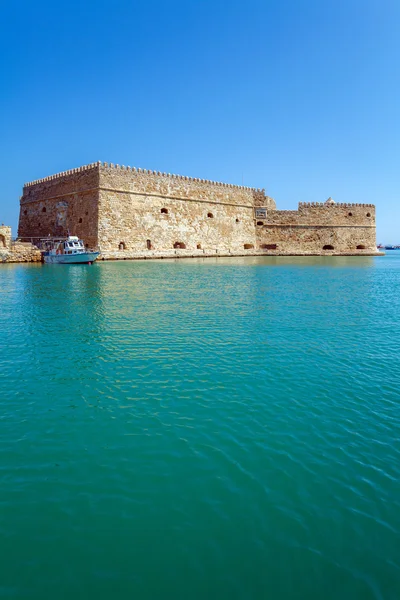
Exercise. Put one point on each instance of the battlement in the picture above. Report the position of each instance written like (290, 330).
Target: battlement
(62, 174)
(333, 205)
(111, 166)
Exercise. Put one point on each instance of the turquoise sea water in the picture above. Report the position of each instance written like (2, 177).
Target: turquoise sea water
(224, 428)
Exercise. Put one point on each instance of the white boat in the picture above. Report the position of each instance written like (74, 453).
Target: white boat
(67, 251)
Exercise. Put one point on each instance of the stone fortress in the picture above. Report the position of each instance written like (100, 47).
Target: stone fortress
(135, 213)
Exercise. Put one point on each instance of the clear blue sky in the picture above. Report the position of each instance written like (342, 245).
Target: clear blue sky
(300, 97)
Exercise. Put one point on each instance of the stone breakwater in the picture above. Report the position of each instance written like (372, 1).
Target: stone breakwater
(16, 251)
(129, 213)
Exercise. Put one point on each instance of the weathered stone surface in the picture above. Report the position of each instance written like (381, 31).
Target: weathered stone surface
(5, 238)
(19, 252)
(134, 213)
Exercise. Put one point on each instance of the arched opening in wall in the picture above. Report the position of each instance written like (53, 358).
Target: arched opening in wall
(86, 213)
(148, 244)
(25, 212)
(260, 223)
(350, 214)
(268, 246)
(210, 215)
(368, 214)
(180, 245)
(198, 246)
(2, 241)
(328, 247)
(80, 220)
(248, 246)
(122, 246)
(44, 209)
(164, 211)
(237, 221)
(360, 247)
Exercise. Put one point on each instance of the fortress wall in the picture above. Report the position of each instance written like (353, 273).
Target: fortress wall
(313, 226)
(130, 213)
(154, 183)
(323, 214)
(133, 219)
(61, 203)
(312, 239)
(337, 214)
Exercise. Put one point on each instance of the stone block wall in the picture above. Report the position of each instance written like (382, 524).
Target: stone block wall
(319, 229)
(56, 205)
(150, 212)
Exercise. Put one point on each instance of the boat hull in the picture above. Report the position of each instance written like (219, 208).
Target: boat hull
(70, 259)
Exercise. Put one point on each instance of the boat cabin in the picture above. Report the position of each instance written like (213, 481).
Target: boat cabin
(72, 245)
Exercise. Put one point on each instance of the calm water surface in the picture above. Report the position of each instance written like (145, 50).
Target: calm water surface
(222, 428)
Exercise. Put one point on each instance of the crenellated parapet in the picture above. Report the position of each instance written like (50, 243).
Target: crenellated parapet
(332, 205)
(172, 176)
(63, 174)
(111, 166)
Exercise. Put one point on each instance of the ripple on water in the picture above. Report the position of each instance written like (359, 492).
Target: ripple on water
(201, 429)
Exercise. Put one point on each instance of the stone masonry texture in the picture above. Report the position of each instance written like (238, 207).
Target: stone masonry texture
(135, 213)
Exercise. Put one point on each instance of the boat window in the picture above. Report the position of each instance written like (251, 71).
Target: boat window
(71, 244)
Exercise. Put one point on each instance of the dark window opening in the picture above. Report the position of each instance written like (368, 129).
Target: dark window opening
(122, 246)
(268, 246)
(248, 246)
(260, 223)
(360, 247)
(164, 211)
(368, 214)
(25, 212)
(86, 213)
(328, 247)
(2, 241)
(210, 215)
(350, 214)
(80, 220)
(198, 246)
(180, 245)
(237, 221)
(148, 244)
(44, 209)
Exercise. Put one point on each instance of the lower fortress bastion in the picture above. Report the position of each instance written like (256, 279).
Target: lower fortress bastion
(135, 213)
